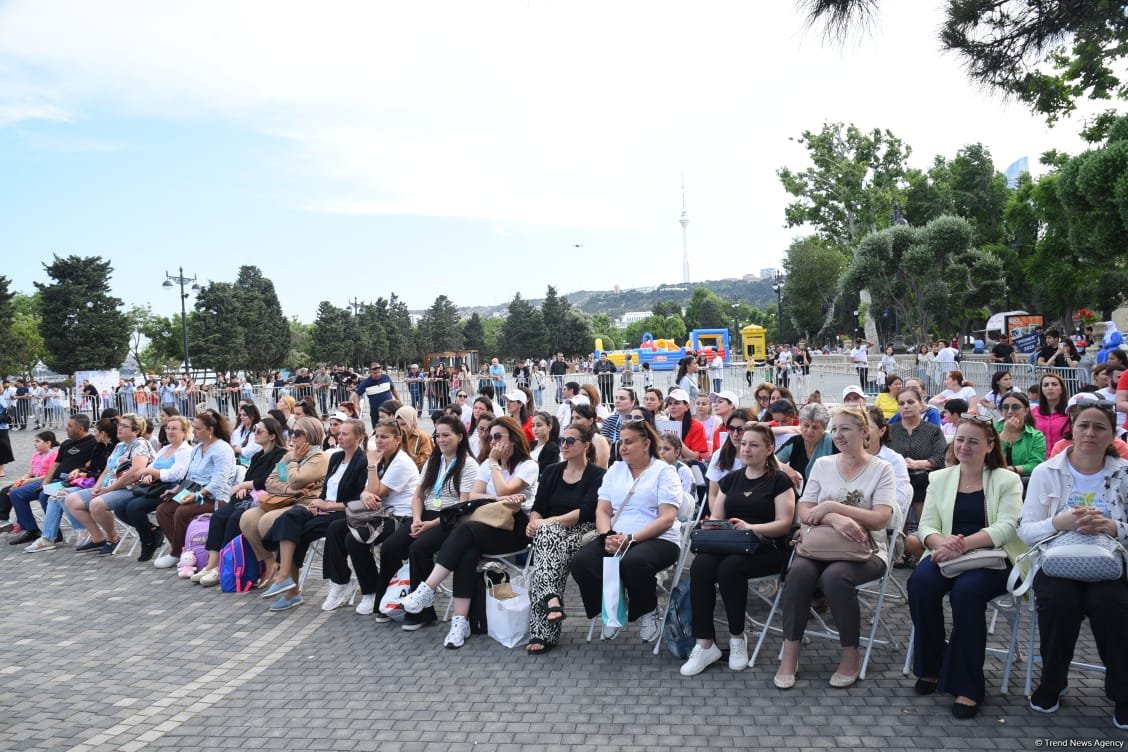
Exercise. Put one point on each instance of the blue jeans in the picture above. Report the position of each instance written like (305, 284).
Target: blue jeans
(53, 517)
(21, 499)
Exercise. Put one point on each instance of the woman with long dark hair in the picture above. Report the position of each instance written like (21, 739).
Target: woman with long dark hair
(1050, 413)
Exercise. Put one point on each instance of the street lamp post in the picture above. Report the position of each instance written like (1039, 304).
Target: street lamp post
(170, 282)
(778, 287)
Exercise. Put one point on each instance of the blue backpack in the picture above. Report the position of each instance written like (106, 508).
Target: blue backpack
(679, 622)
(239, 568)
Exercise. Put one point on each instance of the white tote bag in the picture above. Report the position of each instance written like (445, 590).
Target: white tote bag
(507, 619)
(614, 611)
(399, 586)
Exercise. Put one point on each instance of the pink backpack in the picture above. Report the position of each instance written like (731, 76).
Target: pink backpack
(196, 539)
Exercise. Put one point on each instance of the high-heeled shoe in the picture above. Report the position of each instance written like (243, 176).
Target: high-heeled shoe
(839, 680)
(784, 681)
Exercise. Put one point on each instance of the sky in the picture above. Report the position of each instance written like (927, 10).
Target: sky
(356, 149)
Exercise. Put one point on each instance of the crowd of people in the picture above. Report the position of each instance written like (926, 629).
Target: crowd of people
(606, 475)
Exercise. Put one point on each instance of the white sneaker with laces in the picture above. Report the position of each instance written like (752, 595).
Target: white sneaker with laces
(168, 561)
(421, 598)
(459, 631)
(338, 595)
(738, 653)
(648, 627)
(40, 544)
(700, 659)
(367, 604)
(608, 633)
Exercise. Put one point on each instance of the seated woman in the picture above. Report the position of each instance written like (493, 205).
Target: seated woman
(974, 503)
(1083, 489)
(760, 498)
(798, 453)
(546, 432)
(168, 468)
(517, 407)
(298, 477)
(694, 444)
(563, 512)
(94, 507)
(224, 523)
(636, 517)
(584, 415)
(1024, 446)
(507, 473)
(211, 472)
(243, 437)
(852, 492)
(392, 479)
(922, 444)
(726, 459)
(886, 400)
(302, 524)
(416, 443)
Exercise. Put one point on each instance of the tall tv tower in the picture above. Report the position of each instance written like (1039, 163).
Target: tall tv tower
(684, 222)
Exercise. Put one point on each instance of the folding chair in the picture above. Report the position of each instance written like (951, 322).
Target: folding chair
(509, 562)
(875, 589)
(1002, 603)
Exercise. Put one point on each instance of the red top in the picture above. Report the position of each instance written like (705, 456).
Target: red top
(527, 429)
(695, 439)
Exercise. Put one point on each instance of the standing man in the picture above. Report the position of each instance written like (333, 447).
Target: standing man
(415, 379)
(497, 375)
(558, 369)
(783, 366)
(605, 371)
(859, 356)
(717, 371)
(378, 388)
(321, 383)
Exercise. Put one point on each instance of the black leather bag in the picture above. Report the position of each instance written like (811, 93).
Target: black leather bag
(151, 490)
(723, 542)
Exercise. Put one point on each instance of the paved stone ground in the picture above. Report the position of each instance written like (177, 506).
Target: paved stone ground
(113, 655)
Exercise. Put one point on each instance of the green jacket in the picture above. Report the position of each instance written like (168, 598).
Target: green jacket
(1003, 490)
(1028, 452)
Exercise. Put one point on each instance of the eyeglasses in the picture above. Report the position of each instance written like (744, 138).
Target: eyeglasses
(763, 397)
(496, 437)
(1099, 404)
(1011, 407)
(297, 432)
(460, 396)
(977, 418)
(568, 441)
(735, 429)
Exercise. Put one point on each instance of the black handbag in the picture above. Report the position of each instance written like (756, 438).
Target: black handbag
(151, 490)
(724, 541)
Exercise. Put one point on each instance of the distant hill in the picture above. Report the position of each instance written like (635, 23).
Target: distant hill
(757, 293)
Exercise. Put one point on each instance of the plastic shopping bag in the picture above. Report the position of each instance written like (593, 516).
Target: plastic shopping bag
(507, 613)
(399, 586)
(614, 612)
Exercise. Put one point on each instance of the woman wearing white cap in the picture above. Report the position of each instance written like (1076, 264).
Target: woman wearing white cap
(694, 445)
(517, 403)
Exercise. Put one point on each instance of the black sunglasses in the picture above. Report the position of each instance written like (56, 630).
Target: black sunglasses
(568, 441)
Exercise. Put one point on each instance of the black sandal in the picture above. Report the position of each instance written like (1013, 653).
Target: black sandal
(550, 610)
(544, 646)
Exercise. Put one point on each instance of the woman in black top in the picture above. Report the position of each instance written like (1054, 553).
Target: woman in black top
(546, 430)
(224, 523)
(563, 511)
(759, 498)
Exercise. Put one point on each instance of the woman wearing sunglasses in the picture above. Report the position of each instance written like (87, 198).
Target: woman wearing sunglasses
(1083, 489)
(972, 504)
(727, 458)
(563, 512)
(1024, 446)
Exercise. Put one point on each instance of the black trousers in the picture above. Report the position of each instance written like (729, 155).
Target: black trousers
(467, 543)
(135, 513)
(1062, 605)
(639, 567)
(302, 527)
(730, 573)
(421, 556)
(340, 546)
(224, 526)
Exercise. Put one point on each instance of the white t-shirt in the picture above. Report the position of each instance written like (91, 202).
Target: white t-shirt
(1088, 490)
(967, 394)
(658, 484)
(685, 475)
(333, 481)
(900, 476)
(860, 356)
(715, 473)
(717, 367)
(442, 495)
(527, 471)
(946, 355)
(402, 476)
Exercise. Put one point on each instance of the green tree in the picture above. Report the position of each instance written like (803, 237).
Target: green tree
(216, 339)
(493, 328)
(667, 308)
(1046, 53)
(370, 327)
(968, 186)
(25, 347)
(811, 288)
(474, 333)
(331, 335)
(266, 331)
(660, 327)
(524, 334)
(577, 333)
(438, 329)
(164, 343)
(82, 324)
(402, 347)
(850, 188)
(554, 313)
(301, 345)
(1039, 234)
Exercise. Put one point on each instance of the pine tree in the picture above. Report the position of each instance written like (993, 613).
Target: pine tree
(83, 326)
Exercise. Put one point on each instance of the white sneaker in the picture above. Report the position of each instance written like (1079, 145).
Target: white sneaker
(201, 575)
(608, 633)
(459, 631)
(168, 561)
(210, 578)
(338, 595)
(367, 604)
(700, 659)
(738, 653)
(421, 598)
(648, 626)
(41, 544)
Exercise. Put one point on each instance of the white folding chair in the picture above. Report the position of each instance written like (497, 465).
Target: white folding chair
(509, 562)
(315, 551)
